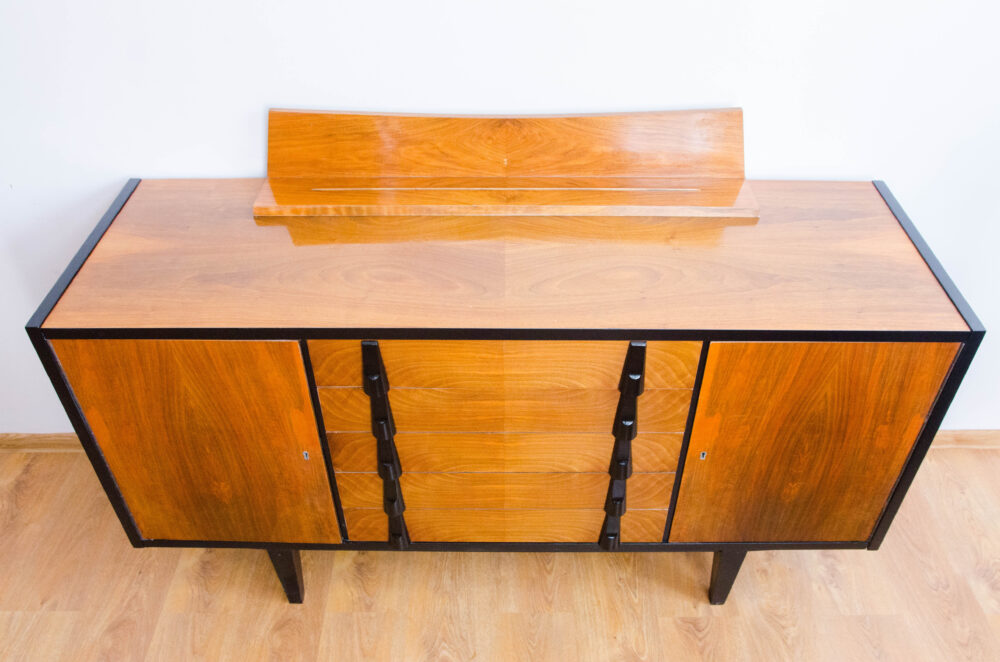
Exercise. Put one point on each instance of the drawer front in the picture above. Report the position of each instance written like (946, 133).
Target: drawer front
(366, 524)
(441, 452)
(469, 410)
(477, 364)
(517, 491)
(644, 525)
(504, 525)
(371, 524)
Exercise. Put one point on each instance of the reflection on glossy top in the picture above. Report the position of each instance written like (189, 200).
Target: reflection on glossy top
(824, 255)
(506, 196)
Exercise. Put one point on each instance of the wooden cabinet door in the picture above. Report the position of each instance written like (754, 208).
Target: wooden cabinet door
(803, 441)
(207, 439)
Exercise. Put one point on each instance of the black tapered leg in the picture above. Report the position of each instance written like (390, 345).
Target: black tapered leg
(725, 566)
(288, 565)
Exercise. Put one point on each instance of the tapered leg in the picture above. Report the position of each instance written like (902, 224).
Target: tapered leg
(725, 566)
(288, 565)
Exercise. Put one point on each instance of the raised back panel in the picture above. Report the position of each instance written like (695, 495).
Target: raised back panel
(686, 143)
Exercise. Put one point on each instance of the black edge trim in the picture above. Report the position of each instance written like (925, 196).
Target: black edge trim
(923, 444)
(970, 344)
(748, 335)
(61, 385)
(321, 428)
(514, 546)
(52, 298)
(686, 440)
(963, 307)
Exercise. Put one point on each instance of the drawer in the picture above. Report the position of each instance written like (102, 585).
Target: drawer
(644, 525)
(441, 452)
(366, 524)
(477, 364)
(504, 525)
(480, 410)
(515, 491)
(371, 524)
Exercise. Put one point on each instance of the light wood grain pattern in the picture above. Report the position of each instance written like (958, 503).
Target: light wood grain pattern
(688, 198)
(534, 364)
(78, 591)
(40, 443)
(643, 525)
(804, 441)
(504, 452)
(517, 491)
(824, 255)
(346, 409)
(690, 143)
(504, 525)
(368, 524)
(206, 438)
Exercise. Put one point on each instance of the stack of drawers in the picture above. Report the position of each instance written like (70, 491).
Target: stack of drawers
(504, 441)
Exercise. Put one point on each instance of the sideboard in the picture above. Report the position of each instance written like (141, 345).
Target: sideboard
(573, 334)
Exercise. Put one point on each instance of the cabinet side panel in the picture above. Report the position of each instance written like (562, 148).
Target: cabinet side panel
(803, 441)
(207, 439)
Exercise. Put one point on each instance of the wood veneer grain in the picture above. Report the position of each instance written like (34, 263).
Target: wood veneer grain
(487, 364)
(824, 255)
(512, 491)
(205, 438)
(346, 409)
(502, 452)
(643, 525)
(803, 441)
(504, 525)
(690, 143)
(367, 524)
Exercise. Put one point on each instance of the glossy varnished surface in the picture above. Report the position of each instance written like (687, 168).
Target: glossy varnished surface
(500, 452)
(187, 253)
(694, 198)
(690, 143)
(515, 491)
(207, 440)
(803, 441)
(505, 410)
(492, 364)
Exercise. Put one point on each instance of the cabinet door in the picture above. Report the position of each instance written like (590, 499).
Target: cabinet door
(207, 439)
(803, 441)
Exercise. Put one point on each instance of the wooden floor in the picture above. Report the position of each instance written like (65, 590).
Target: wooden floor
(72, 588)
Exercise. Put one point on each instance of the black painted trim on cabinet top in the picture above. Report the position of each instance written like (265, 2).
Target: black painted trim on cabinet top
(963, 307)
(68, 274)
(323, 441)
(686, 439)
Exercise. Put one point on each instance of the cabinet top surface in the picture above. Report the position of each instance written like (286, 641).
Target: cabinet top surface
(189, 254)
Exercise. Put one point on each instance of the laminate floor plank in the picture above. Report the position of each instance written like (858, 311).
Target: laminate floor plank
(73, 589)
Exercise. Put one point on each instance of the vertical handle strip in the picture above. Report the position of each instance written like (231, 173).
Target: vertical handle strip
(624, 429)
(376, 387)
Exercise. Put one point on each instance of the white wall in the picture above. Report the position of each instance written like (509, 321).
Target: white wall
(92, 93)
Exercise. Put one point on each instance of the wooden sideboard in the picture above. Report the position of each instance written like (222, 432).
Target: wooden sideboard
(583, 334)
